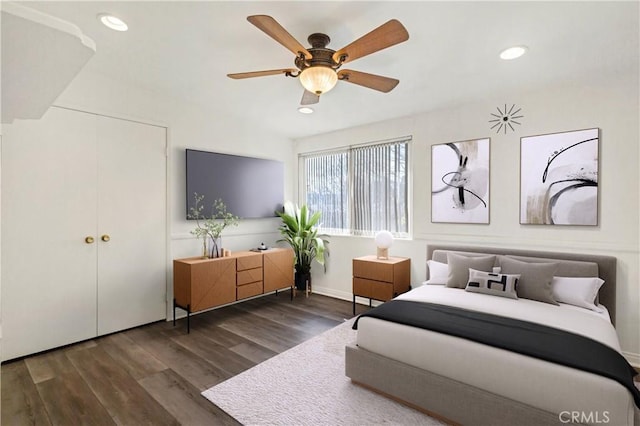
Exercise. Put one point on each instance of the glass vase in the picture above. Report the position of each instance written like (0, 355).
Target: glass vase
(216, 248)
(205, 251)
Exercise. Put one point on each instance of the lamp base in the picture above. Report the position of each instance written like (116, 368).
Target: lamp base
(383, 253)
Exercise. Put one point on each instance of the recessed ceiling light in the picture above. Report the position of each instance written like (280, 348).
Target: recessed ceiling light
(513, 52)
(113, 22)
(305, 110)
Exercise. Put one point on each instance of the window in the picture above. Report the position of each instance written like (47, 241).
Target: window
(327, 189)
(359, 190)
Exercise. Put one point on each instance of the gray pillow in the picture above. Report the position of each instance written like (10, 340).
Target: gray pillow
(535, 279)
(459, 268)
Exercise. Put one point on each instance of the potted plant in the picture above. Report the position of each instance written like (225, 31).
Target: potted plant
(210, 228)
(298, 229)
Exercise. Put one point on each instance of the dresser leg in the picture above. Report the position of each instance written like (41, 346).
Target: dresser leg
(174, 311)
(354, 304)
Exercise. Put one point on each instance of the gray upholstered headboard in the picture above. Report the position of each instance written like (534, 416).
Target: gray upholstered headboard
(569, 264)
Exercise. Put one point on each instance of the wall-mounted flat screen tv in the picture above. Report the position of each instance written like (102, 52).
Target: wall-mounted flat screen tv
(250, 187)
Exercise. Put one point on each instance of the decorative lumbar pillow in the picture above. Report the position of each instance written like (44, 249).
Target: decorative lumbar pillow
(535, 278)
(438, 272)
(577, 291)
(458, 273)
(502, 285)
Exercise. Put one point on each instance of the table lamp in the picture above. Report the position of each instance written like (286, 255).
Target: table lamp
(384, 240)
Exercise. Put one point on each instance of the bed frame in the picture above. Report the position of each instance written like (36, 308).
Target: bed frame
(458, 403)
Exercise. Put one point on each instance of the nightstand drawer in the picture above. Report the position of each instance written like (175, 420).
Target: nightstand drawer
(378, 271)
(372, 289)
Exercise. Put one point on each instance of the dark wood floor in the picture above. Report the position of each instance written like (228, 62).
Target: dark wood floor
(154, 374)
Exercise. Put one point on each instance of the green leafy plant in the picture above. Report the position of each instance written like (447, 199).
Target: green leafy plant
(211, 226)
(299, 230)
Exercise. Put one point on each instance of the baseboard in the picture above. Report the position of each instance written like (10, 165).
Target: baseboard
(336, 294)
(343, 295)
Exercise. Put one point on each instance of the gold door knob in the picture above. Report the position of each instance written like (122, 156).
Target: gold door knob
(89, 240)
(105, 238)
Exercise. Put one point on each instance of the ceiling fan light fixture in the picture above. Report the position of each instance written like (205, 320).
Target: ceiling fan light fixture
(318, 79)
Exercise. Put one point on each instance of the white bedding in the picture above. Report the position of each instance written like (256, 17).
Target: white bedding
(535, 382)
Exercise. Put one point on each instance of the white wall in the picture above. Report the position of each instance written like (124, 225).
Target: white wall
(189, 126)
(612, 107)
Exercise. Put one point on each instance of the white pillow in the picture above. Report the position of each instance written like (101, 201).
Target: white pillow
(501, 285)
(438, 273)
(577, 291)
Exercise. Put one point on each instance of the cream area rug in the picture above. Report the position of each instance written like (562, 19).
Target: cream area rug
(306, 385)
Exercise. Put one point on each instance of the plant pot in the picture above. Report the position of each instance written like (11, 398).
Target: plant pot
(301, 281)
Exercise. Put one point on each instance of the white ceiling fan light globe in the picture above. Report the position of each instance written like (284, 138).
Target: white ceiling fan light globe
(384, 239)
(318, 79)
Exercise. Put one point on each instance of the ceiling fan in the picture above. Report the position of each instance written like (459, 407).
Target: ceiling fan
(318, 67)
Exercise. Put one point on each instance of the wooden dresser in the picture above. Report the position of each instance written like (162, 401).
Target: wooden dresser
(380, 279)
(200, 283)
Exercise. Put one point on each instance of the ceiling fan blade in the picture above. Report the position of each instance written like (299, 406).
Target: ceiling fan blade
(372, 81)
(386, 35)
(252, 74)
(273, 29)
(309, 98)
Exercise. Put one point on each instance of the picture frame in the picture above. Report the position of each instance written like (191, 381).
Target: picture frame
(559, 178)
(460, 182)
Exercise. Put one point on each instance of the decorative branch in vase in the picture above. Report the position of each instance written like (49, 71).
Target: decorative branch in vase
(211, 227)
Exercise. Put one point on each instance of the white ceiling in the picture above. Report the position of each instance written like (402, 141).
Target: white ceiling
(185, 50)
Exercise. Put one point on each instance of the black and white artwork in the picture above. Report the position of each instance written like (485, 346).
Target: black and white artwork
(559, 178)
(460, 182)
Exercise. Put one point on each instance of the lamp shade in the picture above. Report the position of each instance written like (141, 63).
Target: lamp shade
(318, 79)
(384, 239)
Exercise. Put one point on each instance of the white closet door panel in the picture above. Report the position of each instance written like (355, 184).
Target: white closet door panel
(48, 208)
(132, 212)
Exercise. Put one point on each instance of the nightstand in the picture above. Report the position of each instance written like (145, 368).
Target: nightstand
(380, 279)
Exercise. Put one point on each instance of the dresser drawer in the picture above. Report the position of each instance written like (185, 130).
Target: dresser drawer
(248, 290)
(372, 289)
(249, 261)
(249, 275)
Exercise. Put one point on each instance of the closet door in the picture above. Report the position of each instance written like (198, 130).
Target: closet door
(132, 213)
(49, 203)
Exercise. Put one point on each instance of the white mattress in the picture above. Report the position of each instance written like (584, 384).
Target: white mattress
(535, 382)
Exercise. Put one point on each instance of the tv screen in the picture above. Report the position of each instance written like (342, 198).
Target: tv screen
(250, 187)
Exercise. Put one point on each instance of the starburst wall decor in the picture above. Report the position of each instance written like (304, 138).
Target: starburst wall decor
(505, 119)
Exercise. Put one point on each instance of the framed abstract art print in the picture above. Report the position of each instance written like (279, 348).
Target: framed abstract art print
(559, 178)
(460, 182)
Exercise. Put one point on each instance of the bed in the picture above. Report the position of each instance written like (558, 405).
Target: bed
(466, 382)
